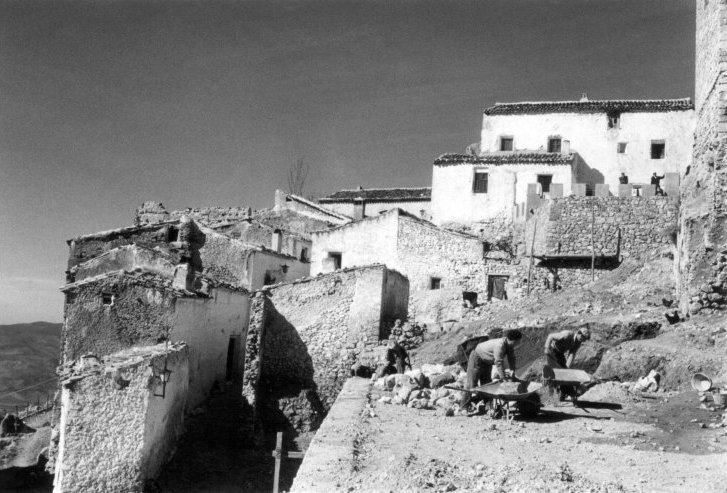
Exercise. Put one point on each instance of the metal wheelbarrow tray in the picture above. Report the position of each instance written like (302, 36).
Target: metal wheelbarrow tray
(523, 394)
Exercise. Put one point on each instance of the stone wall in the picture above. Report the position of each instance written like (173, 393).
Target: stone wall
(629, 226)
(140, 315)
(312, 332)
(127, 258)
(702, 267)
(115, 433)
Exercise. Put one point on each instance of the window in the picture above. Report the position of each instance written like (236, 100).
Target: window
(304, 254)
(614, 120)
(506, 143)
(590, 189)
(336, 256)
(107, 299)
(480, 182)
(545, 181)
(658, 149)
(621, 147)
(173, 235)
(554, 144)
(435, 283)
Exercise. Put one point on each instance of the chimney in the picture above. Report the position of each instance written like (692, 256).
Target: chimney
(584, 97)
(359, 208)
(277, 241)
(565, 147)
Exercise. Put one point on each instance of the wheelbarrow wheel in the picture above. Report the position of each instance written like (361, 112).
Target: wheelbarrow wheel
(528, 409)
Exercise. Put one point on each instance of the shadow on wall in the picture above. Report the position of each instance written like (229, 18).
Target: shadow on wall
(586, 174)
(289, 399)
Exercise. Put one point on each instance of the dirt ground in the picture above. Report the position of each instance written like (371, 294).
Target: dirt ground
(616, 441)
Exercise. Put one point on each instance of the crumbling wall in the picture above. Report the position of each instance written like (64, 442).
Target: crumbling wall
(425, 251)
(90, 246)
(629, 226)
(127, 258)
(213, 216)
(702, 267)
(115, 433)
(312, 332)
(138, 315)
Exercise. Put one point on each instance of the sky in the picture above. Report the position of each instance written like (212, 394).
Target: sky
(107, 104)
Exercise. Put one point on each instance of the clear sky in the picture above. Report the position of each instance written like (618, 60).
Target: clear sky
(106, 104)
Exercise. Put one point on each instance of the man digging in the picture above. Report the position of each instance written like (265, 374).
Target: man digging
(561, 347)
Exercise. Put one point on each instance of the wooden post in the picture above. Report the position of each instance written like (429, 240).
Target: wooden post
(277, 453)
(593, 247)
(532, 247)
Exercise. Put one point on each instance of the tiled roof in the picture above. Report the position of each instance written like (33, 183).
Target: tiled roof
(313, 205)
(499, 158)
(380, 195)
(604, 106)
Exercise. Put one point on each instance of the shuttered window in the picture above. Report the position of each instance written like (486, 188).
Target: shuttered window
(480, 183)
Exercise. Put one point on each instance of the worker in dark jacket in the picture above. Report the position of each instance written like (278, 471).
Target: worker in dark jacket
(489, 354)
(656, 180)
(561, 347)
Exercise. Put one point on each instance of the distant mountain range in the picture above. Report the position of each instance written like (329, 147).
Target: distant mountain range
(29, 354)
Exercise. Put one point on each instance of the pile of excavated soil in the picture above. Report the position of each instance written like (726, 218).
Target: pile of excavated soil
(608, 392)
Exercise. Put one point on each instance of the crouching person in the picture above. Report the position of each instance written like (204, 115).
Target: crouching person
(397, 359)
(561, 347)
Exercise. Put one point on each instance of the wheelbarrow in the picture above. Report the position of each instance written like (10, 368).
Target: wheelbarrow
(522, 394)
(570, 382)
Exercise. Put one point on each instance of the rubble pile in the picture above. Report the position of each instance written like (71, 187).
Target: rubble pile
(423, 388)
(408, 334)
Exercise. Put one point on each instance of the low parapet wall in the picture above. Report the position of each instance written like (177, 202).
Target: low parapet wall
(331, 453)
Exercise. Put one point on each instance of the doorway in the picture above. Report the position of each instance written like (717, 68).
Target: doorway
(232, 359)
(496, 287)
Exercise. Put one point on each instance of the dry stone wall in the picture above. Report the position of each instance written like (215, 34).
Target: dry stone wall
(703, 226)
(312, 332)
(138, 315)
(629, 226)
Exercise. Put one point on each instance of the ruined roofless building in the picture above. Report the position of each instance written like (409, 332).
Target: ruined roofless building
(367, 202)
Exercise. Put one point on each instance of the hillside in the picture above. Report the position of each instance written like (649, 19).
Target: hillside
(28, 355)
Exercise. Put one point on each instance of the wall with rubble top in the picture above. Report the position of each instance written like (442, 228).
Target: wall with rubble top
(702, 263)
(312, 332)
(114, 432)
(643, 224)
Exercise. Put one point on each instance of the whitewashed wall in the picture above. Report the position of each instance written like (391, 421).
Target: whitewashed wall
(591, 138)
(454, 201)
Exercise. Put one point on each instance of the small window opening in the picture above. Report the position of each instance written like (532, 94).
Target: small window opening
(614, 120)
(337, 258)
(506, 143)
(469, 298)
(658, 149)
(304, 254)
(480, 182)
(107, 299)
(545, 181)
(173, 235)
(590, 189)
(621, 147)
(435, 283)
(554, 144)
(269, 278)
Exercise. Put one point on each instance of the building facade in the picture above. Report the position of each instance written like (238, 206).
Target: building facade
(360, 202)
(636, 137)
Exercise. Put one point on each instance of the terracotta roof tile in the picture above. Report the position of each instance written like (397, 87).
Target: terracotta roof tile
(502, 158)
(380, 195)
(603, 106)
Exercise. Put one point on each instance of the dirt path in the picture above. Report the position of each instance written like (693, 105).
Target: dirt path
(647, 445)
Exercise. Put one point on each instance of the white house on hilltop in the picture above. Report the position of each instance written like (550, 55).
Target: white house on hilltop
(554, 145)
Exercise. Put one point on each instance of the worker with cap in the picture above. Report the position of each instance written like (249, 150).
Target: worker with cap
(488, 354)
(397, 359)
(561, 347)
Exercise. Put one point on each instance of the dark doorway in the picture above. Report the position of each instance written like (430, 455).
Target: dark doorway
(337, 259)
(496, 287)
(231, 358)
